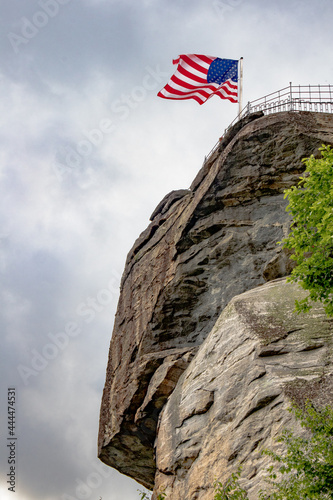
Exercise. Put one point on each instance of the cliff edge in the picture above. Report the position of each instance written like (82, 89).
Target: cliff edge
(203, 247)
(232, 401)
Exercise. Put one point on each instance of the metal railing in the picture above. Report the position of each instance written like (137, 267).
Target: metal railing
(316, 98)
(313, 98)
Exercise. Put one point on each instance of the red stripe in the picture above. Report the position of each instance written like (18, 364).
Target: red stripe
(197, 88)
(195, 65)
(226, 97)
(223, 92)
(176, 92)
(227, 94)
(227, 88)
(196, 98)
(186, 73)
(182, 83)
(188, 87)
(205, 59)
(232, 85)
(176, 81)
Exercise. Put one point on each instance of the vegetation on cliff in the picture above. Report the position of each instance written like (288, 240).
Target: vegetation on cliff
(231, 490)
(303, 471)
(311, 236)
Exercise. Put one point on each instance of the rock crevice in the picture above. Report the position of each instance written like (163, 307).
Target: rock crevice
(251, 392)
(204, 246)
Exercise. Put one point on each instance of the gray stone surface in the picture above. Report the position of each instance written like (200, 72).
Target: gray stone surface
(167, 201)
(204, 246)
(231, 403)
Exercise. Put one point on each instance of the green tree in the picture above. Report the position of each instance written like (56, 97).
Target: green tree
(145, 496)
(311, 236)
(305, 470)
(231, 490)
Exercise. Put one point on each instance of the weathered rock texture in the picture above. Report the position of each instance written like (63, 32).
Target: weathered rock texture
(231, 402)
(203, 247)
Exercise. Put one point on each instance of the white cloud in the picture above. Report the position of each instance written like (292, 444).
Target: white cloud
(87, 151)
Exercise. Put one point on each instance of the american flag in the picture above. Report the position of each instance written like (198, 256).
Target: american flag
(199, 77)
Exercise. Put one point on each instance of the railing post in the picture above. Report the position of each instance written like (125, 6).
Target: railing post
(315, 96)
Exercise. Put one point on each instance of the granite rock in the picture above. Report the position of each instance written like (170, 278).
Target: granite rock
(204, 246)
(231, 402)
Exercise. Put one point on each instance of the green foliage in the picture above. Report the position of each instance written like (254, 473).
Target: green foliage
(305, 471)
(231, 490)
(311, 236)
(144, 495)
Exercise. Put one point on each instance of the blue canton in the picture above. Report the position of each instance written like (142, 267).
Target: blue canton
(222, 70)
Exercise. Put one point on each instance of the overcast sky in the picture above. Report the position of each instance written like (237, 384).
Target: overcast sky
(87, 152)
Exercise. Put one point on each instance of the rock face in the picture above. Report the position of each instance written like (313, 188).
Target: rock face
(203, 247)
(231, 401)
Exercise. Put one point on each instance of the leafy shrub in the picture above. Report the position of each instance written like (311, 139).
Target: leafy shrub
(305, 471)
(311, 236)
(144, 495)
(231, 490)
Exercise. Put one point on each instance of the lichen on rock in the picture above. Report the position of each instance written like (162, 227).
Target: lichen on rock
(258, 357)
(205, 246)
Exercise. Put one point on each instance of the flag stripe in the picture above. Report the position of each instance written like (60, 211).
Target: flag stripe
(189, 88)
(172, 93)
(186, 92)
(191, 79)
(196, 66)
(204, 61)
(177, 90)
(188, 74)
(177, 83)
(194, 96)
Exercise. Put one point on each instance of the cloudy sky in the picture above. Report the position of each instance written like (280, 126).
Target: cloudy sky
(87, 152)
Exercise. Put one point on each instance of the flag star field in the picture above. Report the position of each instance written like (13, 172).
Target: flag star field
(222, 70)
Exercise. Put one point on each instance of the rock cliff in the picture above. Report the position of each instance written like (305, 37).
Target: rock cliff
(231, 402)
(163, 412)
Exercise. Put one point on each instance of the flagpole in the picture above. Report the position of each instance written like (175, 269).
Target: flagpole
(240, 91)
